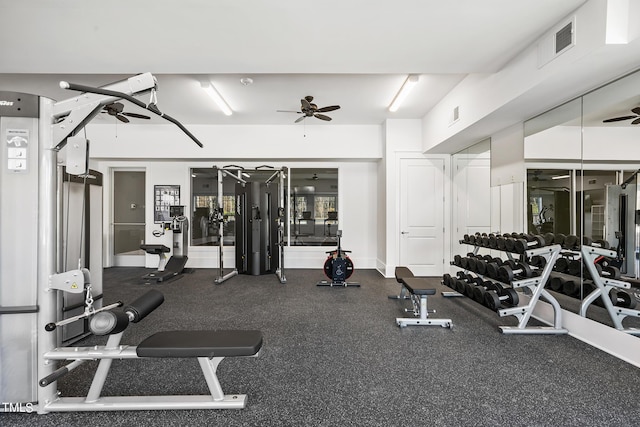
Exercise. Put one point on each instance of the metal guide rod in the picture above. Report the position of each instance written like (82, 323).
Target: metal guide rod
(221, 276)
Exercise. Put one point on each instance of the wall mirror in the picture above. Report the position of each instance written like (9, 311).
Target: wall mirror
(582, 161)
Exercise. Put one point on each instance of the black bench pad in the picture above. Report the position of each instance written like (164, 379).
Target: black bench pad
(201, 344)
(402, 272)
(155, 249)
(416, 286)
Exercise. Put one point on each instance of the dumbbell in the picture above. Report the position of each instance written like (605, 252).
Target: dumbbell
(479, 291)
(492, 267)
(571, 287)
(570, 242)
(466, 284)
(506, 273)
(538, 261)
(609, 272)
(556, 283)
(494, 299)
(561, 265)
(588, 241)
(621, 298)
(574, 267)
(529, 242)
(447, 280)
(550, 238)
(482, 263)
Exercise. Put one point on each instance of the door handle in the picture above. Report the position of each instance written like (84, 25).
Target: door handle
(404, 232)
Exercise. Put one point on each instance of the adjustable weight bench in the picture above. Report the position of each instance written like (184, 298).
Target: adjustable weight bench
(418, 290)
(210, 347)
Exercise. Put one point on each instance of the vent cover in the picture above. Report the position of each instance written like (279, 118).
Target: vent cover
(559, 40)
(564, 37)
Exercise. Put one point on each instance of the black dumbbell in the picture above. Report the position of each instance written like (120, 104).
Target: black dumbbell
(575, 267)
(558, 239)
(556, 283)
(494, 299)
(466, 284)
(621, 298)
(538, 261)
(570, 242)
(529, 242)
(550, 238)
(588, 241)
(571, 287)
(479, 291)
(609, 272)
(506, 273)
(561, 265)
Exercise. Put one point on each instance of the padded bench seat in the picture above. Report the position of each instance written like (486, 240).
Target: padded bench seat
(155, 249)
(201, 344)
(416, 286)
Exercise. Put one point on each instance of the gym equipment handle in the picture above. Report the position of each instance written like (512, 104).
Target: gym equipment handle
(144, 305)
(52, 326)
(60, 372)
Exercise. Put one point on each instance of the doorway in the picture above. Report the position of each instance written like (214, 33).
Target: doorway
(128, 225)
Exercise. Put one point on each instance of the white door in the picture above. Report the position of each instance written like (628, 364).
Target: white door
(422, 216)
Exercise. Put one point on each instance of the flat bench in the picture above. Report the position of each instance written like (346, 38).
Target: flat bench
(209, 347)
(417, 289)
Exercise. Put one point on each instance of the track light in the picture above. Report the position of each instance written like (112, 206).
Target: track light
(560, 176)
(220, 102)
(408, 84)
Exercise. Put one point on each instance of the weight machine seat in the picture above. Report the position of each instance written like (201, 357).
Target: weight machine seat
(415, 285)
(224, 343)
(155, 249)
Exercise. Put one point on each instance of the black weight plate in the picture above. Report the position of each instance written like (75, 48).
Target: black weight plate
(512, 297)
(491, 300)
(446, 280)
(556, 284)
(468, 289)
(561, 265)
(478, 294)
(571, 288)
(571, 241)
(505, 275)
(492, 270)
(614, 272)
(481, 267)
(574, 268)
(457, 260)
(549, 238)
(509, 244)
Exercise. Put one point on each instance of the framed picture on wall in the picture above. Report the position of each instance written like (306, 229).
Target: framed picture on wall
(163, 197)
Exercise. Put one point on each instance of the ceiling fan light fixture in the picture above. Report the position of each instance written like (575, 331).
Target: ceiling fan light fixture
(402, 94)
(217, 98)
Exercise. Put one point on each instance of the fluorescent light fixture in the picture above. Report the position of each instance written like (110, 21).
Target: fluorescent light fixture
(220, 102)
(408, 84)
(561, 176)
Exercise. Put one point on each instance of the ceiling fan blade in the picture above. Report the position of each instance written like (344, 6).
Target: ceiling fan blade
(636, 121)
(299, 119)
(322, 117)
(288, 111)
(121, 118)
(327, 109)
(636, 110)
(137, 116)
(618, 119)
(305, 104)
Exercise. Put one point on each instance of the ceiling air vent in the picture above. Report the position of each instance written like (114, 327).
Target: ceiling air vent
(564, 37)
(557, 42)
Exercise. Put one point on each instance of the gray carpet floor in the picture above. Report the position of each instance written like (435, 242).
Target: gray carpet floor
(335, 357)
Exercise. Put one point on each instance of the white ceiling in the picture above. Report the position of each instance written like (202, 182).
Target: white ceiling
(353, 53)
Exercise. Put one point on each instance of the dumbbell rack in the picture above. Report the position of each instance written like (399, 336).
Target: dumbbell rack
(604, 285)
(536, 287)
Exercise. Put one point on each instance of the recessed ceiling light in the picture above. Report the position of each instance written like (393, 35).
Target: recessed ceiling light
(246, 81)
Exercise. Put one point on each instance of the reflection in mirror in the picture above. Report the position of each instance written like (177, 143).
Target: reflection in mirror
(204, 197)
(314, 206)
(472, 193)
(598, 280)
(549, 194)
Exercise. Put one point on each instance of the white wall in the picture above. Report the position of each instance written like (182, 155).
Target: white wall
(507, 156)
(167, 155)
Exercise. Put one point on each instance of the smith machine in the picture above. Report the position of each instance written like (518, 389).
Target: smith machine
(260, 219)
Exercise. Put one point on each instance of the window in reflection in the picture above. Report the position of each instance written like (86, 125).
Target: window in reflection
(314, 206)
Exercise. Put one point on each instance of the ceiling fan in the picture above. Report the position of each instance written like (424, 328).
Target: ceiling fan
(116, 109)
(308, 109)
(635, 111)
